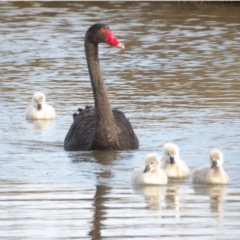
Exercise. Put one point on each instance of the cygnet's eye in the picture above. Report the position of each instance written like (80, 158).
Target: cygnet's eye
(151, 162)
(168, 154)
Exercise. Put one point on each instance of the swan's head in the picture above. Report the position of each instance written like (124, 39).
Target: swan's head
(170, 152)
(216, 158)
(152, 162)
(100, 33)
(38, 100)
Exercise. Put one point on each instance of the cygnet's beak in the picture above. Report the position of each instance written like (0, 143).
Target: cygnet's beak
(172, 160)
(147, 168)
(39, 106)
(214, 164)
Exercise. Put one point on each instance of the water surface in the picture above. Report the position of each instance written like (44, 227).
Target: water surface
(177, 80)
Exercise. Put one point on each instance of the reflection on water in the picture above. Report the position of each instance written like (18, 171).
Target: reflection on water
(41, 124)
(97, 163)
(152, 195)
(102, 157)
(172, 199)
(94, 213)
(216, 194)
(100, 210)
(177, 81)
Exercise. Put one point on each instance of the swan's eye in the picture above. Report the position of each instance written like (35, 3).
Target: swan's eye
(151, 162)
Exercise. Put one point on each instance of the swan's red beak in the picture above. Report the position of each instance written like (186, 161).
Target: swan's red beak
(112, 40)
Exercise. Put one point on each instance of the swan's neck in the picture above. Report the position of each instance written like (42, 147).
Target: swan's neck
(102, 103)
(105, 124)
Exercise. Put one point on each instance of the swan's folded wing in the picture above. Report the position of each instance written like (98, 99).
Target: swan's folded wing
(81, 133)
(126, 134)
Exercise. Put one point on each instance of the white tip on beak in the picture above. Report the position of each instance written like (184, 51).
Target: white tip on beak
(120, 45)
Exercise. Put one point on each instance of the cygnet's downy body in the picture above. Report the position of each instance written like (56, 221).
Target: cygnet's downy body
(212, 173)
(39, 109)
(151, 174)
(174, 166)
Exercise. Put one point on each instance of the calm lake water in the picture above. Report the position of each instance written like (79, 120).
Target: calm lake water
(177, 80)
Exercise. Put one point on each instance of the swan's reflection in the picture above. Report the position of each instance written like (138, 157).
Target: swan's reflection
(101, 162)
(172, 198)
(152, 194)
(101, 157)
(41, 124)
(105, 157)
(100, 199)
(215, 192)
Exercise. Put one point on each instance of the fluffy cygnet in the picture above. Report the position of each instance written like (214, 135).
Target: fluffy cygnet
(39, 109)
(174, 166)
(213, 173)
(151, 173)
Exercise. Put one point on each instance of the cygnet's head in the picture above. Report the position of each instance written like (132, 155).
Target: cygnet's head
(152, 162)
(38, 100)
(170, 152)
(216, 158)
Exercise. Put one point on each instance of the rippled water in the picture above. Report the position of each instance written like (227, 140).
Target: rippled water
(177, 80)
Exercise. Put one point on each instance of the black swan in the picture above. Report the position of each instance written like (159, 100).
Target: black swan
(102, 127)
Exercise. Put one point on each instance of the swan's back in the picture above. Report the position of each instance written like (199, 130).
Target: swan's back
(81, 135)
(126, 136)
(46, 113)
(137, 176)
(201, 174)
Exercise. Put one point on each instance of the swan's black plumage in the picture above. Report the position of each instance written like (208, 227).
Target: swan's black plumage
(99, 127)
(80, 136)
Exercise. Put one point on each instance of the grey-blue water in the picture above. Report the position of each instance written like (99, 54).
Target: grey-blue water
(177, 80)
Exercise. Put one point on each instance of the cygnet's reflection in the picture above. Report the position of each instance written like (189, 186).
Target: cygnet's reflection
(41, 124)
(172, 199)
(152, 194)
(216, 194)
